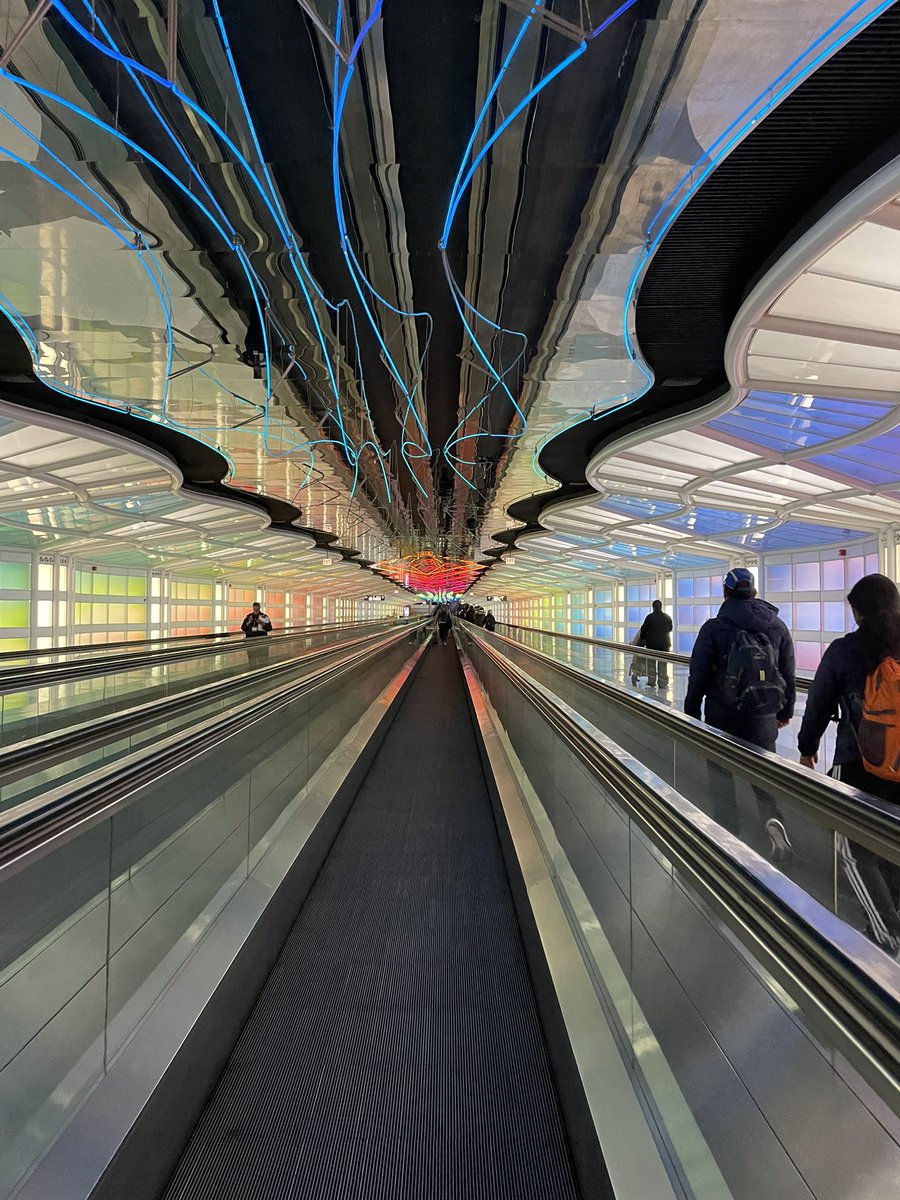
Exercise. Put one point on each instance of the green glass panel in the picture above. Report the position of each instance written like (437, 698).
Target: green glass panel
(118, 585)
(15, 575)
(14, 614)
(137, 585)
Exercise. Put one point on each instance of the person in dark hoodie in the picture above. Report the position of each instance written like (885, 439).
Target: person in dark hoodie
(837, 691)
(656, 634)
(742, 678)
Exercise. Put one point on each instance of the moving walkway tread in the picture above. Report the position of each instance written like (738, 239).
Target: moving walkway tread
(396, 1049)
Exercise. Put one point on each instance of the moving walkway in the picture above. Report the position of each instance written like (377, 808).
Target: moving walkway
(434, 933)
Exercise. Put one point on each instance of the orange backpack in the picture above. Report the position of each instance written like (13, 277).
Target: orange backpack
(879, 728)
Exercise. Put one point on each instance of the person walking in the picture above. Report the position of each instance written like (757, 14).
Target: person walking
(490, 621)
(656, 634)
(444, 623)
(846, 685)
(256, 623)
(742, 678)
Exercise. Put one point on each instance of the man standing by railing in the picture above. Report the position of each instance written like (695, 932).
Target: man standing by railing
(656, 634)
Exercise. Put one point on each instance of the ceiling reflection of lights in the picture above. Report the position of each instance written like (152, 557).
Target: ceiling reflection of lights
(430, 574)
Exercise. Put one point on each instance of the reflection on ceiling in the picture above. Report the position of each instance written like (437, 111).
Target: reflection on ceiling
(64, 491)
(784, 469)
(377, 260)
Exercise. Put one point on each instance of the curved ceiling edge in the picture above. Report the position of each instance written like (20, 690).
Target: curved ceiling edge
(875, 192)
(792, 204)
(201, 468)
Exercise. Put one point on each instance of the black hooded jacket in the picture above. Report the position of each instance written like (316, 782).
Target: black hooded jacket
(710, 656)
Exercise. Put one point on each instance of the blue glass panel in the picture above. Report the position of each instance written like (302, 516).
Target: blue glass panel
(794, 422)
(705, 522)
(684, 587)
(833, 577)
(778, 577)
(806, 577)
(834, 617)
(807, 615)
(796, 535)
(874, 461)
(638, 506)
(630, 550)
(856, 568)
(603, 631)
(684, 614)
(684, 642)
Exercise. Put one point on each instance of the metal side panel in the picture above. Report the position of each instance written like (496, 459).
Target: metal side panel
(616, 1154)
(129, 1133)
(396, 1052)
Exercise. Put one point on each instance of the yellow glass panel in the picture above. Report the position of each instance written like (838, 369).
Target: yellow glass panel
(44, 613)
(15, 614)
(45, 577)
(96, 613)
(206, 591)
(61, 612)
(137, 585)
(136, 614)
(63, 576)
(14, 644)
(117, 614)
(15, 575)
(154, 614)
(155, 586)
(100, 583)
(118, 585)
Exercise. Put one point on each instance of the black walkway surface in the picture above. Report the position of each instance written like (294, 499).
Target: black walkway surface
(396, 1050)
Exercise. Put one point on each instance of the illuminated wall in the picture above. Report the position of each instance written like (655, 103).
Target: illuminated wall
(810, 590)
(809, 587)
(48, 601)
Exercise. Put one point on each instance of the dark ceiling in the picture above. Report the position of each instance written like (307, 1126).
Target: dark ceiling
(420, 80)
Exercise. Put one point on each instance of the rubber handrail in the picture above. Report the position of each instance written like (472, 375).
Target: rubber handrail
(803, 681)
(863, 818)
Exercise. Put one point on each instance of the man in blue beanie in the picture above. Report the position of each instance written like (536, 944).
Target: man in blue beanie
(742, 678)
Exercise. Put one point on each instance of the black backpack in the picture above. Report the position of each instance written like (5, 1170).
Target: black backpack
(752, 682)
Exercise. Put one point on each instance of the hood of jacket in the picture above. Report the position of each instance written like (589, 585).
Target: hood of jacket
(756, 616)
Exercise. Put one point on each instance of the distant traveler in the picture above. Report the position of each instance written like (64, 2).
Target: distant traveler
(490, 622)
(479, 617)
(256, 623)
(656, 634)
(853, 671)
(444, 623)
(742, 666)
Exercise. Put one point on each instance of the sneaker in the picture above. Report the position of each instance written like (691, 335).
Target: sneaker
(782, 850)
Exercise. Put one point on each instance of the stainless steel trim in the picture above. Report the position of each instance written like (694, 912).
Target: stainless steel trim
(37, 827)
(39, 753)
(629, 1151)
(846, 986)
(803, 682)
(862, 818)
(24, 679)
